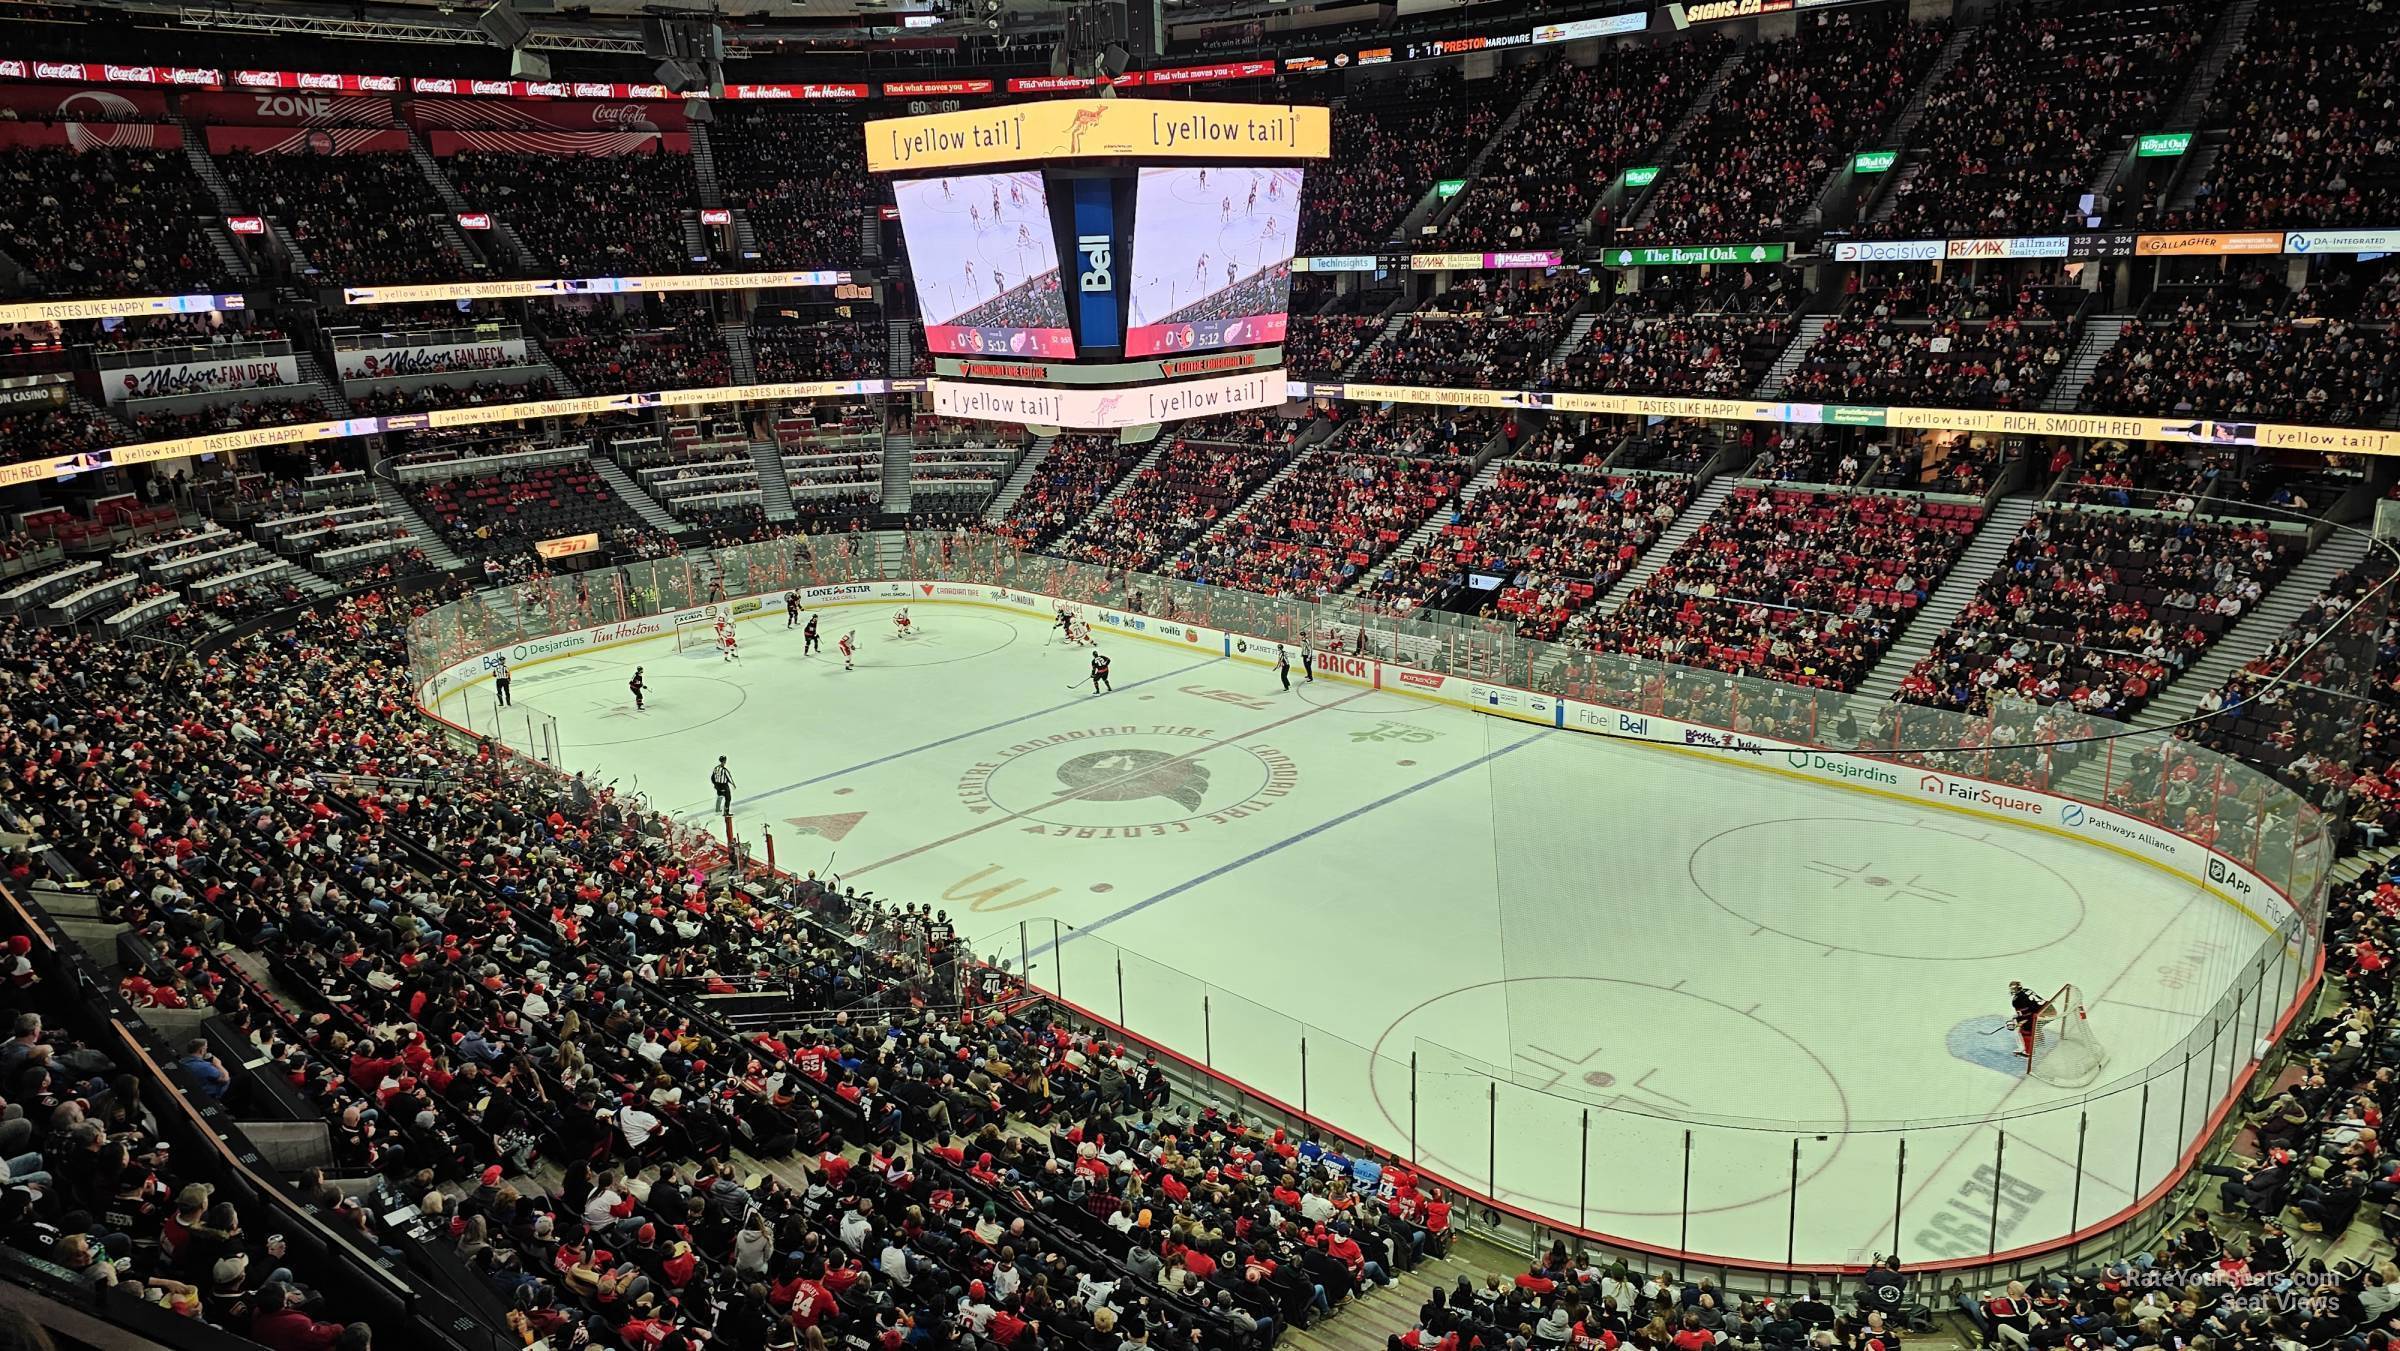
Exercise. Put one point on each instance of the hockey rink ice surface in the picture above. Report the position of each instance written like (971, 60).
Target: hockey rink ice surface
(1687, 945)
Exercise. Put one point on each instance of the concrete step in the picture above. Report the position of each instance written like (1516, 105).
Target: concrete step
(1663, 548)
(1976, 563)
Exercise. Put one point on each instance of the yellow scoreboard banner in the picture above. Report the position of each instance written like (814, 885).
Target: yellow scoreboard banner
(1099, 129)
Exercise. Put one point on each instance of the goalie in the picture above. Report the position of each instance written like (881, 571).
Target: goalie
(2055, 1037)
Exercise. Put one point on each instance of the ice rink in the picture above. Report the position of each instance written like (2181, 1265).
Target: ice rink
(1707, 980)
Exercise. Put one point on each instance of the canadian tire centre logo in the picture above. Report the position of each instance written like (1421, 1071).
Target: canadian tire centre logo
(1126, 780)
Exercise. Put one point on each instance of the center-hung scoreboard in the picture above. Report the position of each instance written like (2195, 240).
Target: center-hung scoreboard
(1101, 262)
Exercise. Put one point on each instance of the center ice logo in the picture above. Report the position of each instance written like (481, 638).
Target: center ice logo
(1125, 775)
(1129, 780)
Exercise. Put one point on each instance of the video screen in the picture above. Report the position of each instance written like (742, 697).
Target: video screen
(1212, 258)
(986, 265)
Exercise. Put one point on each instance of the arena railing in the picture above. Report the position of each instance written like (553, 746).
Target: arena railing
(2091, 1173)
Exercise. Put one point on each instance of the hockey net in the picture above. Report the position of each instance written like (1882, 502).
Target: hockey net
(2066, 1051)
(696, 635)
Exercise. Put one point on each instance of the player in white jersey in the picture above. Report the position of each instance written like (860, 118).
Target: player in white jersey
(728, 640)
(900, 623)
(849, 646)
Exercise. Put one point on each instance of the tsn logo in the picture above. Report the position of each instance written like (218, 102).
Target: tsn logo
(1098, 255)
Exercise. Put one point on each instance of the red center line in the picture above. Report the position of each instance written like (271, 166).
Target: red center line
(1007, 816)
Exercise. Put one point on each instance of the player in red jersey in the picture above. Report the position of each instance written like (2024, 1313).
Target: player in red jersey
(849, 646)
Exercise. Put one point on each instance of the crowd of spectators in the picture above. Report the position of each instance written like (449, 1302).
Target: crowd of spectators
(1488, 331)
(1805, 587)
(831, 349)
(1313, 530)
(671, 343)
(1079, 470)
(1556, 538)
(477, 393)
(2218, 361)
(228, 417)
(1213, 465)
(2098, 609)
(1424, 430)
(1322, 346)
(2311, 115)
(2015, 134)
(1391, 142)
(77, 427)
(587, 215)
(1699, 355)
(800, 177)
(1975, 349)
(1669, 447)
(109, 221)
(1791, 115)
(1937, 463)
(1581, 130)
(360, 218)
(504, 513)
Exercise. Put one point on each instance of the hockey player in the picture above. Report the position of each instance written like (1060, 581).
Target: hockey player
(849, 646)
(808, 637)
(1079, 632)
(730, 639)
(1066, 624)
(791, 609)
(1100, 683)
(639, 687)
(900, 622)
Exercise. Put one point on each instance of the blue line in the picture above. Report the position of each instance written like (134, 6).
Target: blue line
(975, 731)
(1246, 860)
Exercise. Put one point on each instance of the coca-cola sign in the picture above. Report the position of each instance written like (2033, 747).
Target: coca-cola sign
(246, 225)
(474, 220)
(716, 215)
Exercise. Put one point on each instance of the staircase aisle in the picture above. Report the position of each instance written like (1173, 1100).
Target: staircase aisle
(1013, 487)
(1432, 526)
(1655, 557)
(644, 505)
(2099, 335)
(1812, 327)
(397, 506)
(774, 485)
(899, 472)
(2256, 631)
(1978, 562)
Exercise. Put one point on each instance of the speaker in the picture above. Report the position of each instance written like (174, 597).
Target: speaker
(681, 77)
(504, 26)
(1114, 61)
(525, 65)
(699, 111)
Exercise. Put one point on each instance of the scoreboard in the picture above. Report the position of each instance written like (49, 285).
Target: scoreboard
(1103, 248)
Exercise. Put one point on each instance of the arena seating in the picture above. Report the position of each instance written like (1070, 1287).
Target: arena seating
(1560, 537)
(1212, 465)
(1068, 483)
(1917, 342)
(2100, 610)
(1806, 587)
(1488, 331)
(1312, 531)
(833, 349)
(259, 412)
(108, 221)
(2230, 357)
(1795, 110)
(359, 218)
(587, 215)
(1322, 346)
(2310, 140)
(605, 350)
(1392, 140)
(1579, 132)
(2078, 76)
(800, 176)
(505, 513)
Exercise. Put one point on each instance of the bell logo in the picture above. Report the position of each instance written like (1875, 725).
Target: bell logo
(1098, 256)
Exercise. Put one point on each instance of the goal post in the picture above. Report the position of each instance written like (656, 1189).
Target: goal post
(696, 635)
(2066, 1051)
